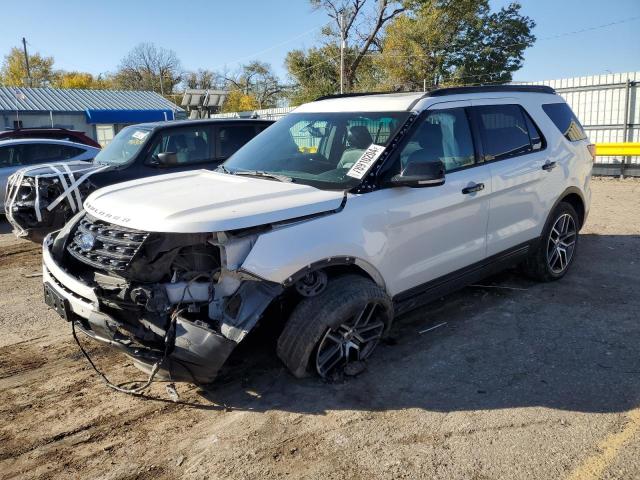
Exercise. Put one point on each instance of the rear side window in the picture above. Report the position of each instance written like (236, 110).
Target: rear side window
(9, 157)
(233, 137)
(42, 152)
(507, 131)
(563, 118)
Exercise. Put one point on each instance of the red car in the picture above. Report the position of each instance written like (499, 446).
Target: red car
(55, 133)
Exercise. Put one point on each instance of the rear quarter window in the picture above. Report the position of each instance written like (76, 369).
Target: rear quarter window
(563, 118)
(505, 132)
(70, 152)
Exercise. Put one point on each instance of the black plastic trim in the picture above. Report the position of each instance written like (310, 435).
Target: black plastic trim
(562, 196)
(441, 92)
(355, 94)
(327, 262)
(422, 294)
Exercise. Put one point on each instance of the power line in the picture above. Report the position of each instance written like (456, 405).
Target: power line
(273, 47)
(551, 37)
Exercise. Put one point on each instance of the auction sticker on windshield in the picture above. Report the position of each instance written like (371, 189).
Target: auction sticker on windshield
(366, 161)
(140, 134)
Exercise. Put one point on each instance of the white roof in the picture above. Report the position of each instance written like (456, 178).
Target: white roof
(392, 102)
(418, 101)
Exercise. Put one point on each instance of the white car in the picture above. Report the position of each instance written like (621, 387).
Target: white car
(339, 217)
(29, 152)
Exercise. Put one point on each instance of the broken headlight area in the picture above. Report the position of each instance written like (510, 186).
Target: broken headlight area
(38, 205)
(177, 300)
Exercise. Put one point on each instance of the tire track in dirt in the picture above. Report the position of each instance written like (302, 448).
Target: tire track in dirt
(59, 441)
(22, 254)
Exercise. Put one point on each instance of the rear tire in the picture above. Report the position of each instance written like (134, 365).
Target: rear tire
(340, 325)
(557, 248)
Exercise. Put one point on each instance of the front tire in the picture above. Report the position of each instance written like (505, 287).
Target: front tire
(557, 248)
(342, 324)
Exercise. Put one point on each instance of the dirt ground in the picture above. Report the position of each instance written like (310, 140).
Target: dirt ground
(530, 381)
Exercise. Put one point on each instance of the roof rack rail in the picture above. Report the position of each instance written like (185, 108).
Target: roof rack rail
(346, 95)
(439, 92)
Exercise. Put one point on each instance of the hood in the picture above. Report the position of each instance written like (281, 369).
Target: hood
(45, 169)
(205, 201)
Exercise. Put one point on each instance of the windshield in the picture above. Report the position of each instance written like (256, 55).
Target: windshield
(318, 149)
(124, 146)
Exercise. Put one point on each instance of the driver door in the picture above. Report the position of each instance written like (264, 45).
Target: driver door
(434, 231)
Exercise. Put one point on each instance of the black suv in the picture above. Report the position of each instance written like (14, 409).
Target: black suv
(41, 199)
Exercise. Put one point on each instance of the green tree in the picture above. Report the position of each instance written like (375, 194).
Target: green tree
(454, 42)
(316, 72)
(14, 70)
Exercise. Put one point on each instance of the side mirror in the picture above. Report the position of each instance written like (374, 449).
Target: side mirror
(166, 159)
(420, 174)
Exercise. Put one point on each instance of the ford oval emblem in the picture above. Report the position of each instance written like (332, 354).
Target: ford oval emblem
(86, 242)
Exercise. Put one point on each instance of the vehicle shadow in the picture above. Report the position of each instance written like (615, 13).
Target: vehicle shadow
(5, 226)
(570, 345)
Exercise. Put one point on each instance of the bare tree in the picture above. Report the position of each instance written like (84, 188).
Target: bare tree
(204, 79)
(148, 67)
(362, 24)
(257, 80)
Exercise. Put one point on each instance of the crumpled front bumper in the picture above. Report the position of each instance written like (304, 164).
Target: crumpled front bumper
(198, 352)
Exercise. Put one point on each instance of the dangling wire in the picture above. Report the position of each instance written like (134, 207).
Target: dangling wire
(168, 341)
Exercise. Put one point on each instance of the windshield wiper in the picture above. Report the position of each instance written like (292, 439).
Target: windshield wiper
(263, 174)
(223, 169)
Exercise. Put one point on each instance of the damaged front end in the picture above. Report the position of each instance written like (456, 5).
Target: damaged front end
(41, 200)
(175, 302)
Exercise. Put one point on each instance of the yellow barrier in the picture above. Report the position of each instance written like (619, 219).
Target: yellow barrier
(619, 149)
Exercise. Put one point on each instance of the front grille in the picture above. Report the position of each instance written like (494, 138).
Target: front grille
(114, 247)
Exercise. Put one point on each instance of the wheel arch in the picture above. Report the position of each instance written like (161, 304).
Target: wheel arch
(574, 197)
(337, 266)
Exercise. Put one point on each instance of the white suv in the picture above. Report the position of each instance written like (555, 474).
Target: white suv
(342, 215)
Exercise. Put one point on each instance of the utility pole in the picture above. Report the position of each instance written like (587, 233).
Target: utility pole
(343, 45)
(26, 61)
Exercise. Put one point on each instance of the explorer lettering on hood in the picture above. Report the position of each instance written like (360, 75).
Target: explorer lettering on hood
(204, 201)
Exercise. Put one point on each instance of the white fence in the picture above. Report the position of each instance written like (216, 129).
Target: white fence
(267, 114)
(609, 109)
(607, 106)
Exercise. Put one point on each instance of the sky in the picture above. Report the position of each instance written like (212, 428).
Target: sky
(93, 36)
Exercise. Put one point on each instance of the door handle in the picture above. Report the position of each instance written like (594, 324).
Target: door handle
(473, 188)
(549, 166)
